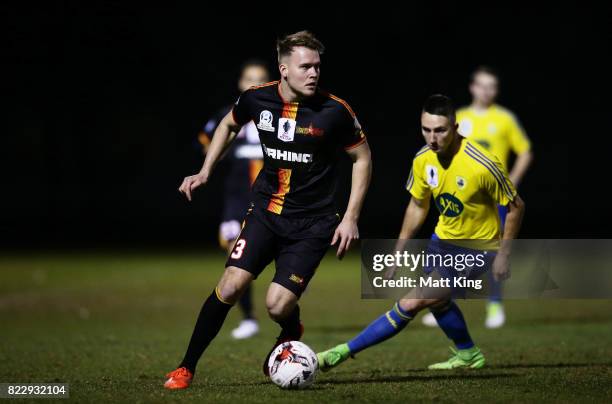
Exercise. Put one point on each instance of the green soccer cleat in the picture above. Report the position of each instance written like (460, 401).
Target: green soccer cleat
(470, 358)
(333, 357)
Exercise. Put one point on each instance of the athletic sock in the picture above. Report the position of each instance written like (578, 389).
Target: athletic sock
(381, 329)
(290, 325)
(211, 318)
(453, 324)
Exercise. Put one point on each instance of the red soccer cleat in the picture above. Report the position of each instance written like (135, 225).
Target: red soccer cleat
(281, 339)
(178, 379)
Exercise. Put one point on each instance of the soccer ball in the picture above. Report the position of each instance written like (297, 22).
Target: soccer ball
(293, 365)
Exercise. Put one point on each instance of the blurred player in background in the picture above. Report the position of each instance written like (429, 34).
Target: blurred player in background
(466, 183)
(243, 160)
(293, 218)
(497, 130)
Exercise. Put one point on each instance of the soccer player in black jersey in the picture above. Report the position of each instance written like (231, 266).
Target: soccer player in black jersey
(293, 219)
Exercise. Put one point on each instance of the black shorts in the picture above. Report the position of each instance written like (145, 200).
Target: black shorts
(297, 245)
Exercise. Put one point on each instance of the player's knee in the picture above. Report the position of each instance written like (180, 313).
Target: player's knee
(413, 305)
(232, 284)
(229, 293)
(278, 309)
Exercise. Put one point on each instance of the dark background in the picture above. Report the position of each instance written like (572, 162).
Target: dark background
(105, 100)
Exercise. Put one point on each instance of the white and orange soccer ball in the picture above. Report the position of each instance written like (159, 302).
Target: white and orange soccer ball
(293, 365)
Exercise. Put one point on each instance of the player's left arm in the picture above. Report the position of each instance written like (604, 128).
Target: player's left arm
(514, 218)
(521, 146)
(520, 167)
(347, 231)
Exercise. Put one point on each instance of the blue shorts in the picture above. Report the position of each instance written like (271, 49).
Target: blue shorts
(460, 268)
(502, 210)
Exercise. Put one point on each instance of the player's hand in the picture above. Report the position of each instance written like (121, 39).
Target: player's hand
(345, 233)
(501, 267)
(191, 183)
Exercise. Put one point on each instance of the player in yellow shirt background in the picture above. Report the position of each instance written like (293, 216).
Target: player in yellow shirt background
(466, 183)
(497, 130)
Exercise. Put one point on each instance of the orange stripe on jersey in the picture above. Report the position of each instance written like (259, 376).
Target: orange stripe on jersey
(290, 110)
(271, 83)
(341, 101)
(254, 169)
(278, 199)
(359, 143)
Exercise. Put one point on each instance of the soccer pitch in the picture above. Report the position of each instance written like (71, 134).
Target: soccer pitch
(112, 324)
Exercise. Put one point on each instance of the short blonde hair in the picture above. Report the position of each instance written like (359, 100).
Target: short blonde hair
(285, 45)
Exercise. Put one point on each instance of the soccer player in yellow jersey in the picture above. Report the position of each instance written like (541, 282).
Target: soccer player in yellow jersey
(466, 184)
(496, 129)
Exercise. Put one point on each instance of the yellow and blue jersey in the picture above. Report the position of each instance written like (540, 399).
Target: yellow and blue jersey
(466, 192)
(495, 129)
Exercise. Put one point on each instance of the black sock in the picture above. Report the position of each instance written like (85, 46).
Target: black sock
(207, 327)
(291, 324)
(246, 304)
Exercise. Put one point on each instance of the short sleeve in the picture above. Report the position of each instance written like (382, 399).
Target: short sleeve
(351, 132)
(519, 142)
(416, 184)
(242, 108)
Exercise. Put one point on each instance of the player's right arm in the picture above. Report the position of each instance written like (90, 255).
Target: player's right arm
(415, 216)
(418, 207)
(220, 141)
(416, 213)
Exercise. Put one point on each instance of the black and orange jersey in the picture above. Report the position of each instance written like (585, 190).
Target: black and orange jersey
(300, 143)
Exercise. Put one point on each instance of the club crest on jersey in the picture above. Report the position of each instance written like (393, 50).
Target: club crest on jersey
(265, 121)
(431, 173)
(286, 129)
(461, 182)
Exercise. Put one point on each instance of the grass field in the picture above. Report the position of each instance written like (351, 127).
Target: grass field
(112, 325)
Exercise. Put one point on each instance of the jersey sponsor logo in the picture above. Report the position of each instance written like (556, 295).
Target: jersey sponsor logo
(449, 205)
(461, 182)
(249, 152)
(265, 121)
(309, 131)
(286, 129)
(431, 173)
(285, 155)
(465, 127)
(492, 129)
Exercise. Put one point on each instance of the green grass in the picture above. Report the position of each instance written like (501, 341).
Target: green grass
(112, 325)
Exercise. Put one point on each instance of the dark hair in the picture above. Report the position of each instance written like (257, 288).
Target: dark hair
(254, 62)
(442, 105)
(285, 45)
(486, 70)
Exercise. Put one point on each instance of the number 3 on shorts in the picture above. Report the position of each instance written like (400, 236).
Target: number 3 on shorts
(238, 249)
